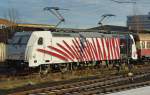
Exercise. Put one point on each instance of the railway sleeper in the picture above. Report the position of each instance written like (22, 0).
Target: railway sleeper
(77, 84)
(127, 86)
(79, 87)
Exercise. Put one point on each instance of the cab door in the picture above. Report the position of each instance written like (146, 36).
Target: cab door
(36, 58)
(41, 45)
(39, 53)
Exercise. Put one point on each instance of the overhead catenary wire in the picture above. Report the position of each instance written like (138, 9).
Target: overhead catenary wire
(55, 11)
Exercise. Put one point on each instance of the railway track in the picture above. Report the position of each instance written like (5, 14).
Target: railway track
(140, 70)
(92, 87)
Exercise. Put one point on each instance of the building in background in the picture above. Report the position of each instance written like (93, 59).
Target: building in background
(6, 24)
(7, 28)
(139, 22)
(34, 27)
(109, 28)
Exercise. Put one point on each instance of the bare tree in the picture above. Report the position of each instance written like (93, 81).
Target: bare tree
(13, 16)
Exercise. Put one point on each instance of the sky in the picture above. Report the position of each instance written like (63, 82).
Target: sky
(81, 13)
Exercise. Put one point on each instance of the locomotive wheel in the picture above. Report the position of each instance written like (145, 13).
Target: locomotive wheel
(74, 66)
(44, 70)
(64, 67)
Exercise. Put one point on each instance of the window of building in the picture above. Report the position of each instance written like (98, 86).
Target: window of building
(2, 26)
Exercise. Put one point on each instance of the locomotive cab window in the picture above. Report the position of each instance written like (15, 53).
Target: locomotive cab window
(40, 41)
